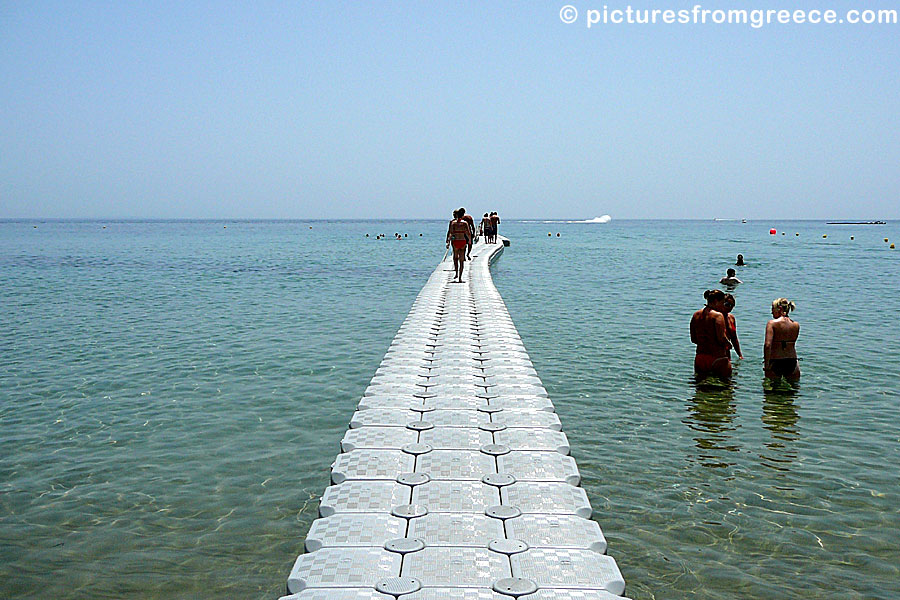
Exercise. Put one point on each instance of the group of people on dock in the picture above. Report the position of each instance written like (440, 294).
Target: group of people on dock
(462, 234)
(714, 331)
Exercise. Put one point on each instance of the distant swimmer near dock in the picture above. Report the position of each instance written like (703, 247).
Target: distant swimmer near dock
(730, 278)
(779, 350)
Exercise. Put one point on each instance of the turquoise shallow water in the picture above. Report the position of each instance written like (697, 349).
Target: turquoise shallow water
(173, 394)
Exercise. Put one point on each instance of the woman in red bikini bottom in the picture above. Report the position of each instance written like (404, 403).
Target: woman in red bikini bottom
(709, 332)
(781, 336)
(459, 235)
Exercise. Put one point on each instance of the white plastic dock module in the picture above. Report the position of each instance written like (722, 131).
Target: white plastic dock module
(455, 480)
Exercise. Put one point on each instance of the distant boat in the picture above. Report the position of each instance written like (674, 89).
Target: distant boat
(603, 219)
(856, 223)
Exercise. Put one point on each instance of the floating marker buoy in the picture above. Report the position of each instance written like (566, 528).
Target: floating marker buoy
(772, 232)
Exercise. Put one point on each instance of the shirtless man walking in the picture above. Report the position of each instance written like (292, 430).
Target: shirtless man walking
(459, 236)
(709, 331)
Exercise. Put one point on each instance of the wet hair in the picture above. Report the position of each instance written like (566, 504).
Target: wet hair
(731, 272)
(729, 299)
(783, 305)
(714, 295)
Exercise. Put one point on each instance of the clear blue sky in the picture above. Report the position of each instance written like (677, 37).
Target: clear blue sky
(323, 109)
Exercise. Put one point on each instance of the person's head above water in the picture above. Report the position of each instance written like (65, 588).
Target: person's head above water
(714, 297)
(740, 260)
(731, 272)
(782, 307)
(728, 303)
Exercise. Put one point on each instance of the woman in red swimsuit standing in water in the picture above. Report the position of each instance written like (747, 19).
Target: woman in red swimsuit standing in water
(709, 331)
(731, 325)
(458, 234)
(781, 335)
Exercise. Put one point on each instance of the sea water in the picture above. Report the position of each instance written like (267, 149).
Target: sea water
(173, 393)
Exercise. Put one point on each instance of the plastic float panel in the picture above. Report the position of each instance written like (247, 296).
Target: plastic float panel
(527, 418)
(456, 438)
(392, 438)
(456, 567)
(571, 568)
(401, 402)
(338, 594)
(456, 464)
(557, 531)
(456, 402)
(533, 439)
(385, 417)
(456, 418)
(456, 496)
(354, 529)
(458, 593)
(547, 497)
(343, 567)
(456, 529)
(539, 466)
(513, 389)
(371, 464)
(363, 496)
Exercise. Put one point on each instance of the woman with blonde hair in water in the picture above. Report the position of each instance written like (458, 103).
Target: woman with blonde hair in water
(779, 353)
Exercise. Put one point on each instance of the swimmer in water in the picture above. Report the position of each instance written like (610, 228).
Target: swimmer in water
(731, 325)
(730, 278)
(740, 261)
(708, 332)
(779, 352)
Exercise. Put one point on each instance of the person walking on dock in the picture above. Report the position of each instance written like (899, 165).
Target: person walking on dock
(471, 221)
(460, 236)
(495, 226)
(487, 228)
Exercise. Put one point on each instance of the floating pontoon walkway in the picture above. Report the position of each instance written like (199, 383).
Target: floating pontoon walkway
(455, 480)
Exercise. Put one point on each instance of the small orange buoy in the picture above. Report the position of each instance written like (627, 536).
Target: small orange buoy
(772, 232)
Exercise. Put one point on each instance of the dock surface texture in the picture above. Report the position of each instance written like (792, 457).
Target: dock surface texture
(454, 480)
